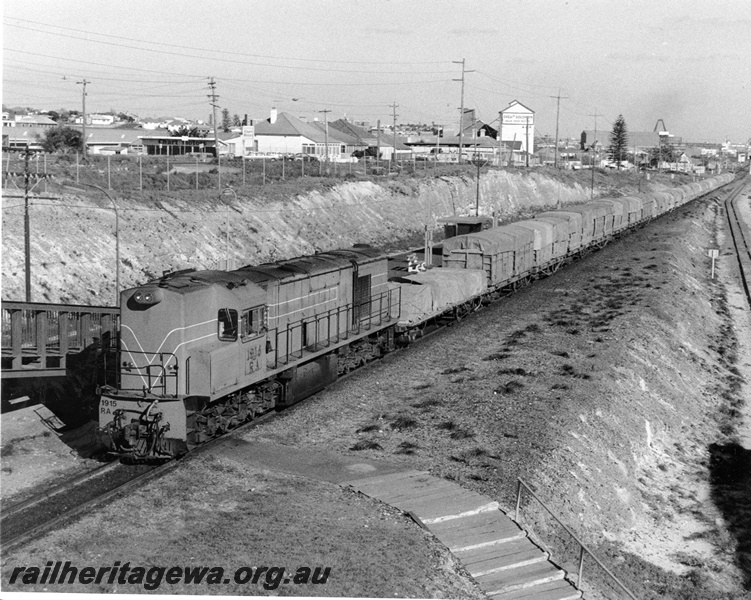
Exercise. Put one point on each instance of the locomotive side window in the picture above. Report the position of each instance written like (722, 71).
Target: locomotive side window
(253, 322)
(227, 319)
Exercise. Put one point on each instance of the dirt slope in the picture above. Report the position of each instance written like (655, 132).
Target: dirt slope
(605, 387)
(73, 238)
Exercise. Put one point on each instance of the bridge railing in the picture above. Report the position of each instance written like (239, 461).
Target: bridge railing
(37, 337)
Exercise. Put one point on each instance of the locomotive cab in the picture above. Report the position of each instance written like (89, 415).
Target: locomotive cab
(186, 340)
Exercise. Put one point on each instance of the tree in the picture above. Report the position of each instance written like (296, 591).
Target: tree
(226, 120)
(185, 131)
(663, 153)
(236, 122)
(61, 139)
(618, 141)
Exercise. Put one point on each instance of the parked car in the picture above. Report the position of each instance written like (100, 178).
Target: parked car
(270, 156)
(306, 157)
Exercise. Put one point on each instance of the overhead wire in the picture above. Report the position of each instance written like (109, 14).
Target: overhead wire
(242, 61)
(234, 53)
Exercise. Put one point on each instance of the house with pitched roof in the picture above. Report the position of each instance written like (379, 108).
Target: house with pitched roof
(32, 121)
(284, 133)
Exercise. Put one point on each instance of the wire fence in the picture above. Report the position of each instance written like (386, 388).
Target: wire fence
(131, 174)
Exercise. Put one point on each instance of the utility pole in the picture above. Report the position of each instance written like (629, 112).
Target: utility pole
(526, 142)
(83, 99)
(477, 197)
(461, 108)
(394, 107)
(26, 225)
(557, 116)
(378, 145)
(500, 138)
(326, 132)
(594, 154)
(213, 97)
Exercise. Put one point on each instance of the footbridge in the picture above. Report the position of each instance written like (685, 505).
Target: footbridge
(37, 337)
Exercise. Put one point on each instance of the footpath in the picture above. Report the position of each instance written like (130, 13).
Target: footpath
(495, 551)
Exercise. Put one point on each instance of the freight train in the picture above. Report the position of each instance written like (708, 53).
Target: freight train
(201, 352)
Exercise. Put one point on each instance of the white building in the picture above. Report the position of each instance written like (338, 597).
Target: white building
(518, 125)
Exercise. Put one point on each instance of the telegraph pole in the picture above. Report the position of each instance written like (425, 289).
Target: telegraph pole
(326, 131)
(594, 153)
(500, 138)
(83, 99)
(213, 97)
(26, 225)
(394, 106)
(526, 147)
(557, 116)
(461, 108)
(378, 146)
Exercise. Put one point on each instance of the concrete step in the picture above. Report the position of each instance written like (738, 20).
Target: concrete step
(494, 563)
(520, 577)
(477, 539)
(418, 487)
(514, 546)
(491, 518)
(450, 497)
(372, 485)
(552, 590)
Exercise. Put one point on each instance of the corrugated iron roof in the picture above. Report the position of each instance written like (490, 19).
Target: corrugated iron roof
(287, 124)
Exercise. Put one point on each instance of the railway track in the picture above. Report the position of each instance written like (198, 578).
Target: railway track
(741, 237)
(26, 521)
(30, 519)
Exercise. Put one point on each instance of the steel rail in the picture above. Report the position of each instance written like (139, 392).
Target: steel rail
(741, 242)
(35, 532)
(139, 480)
(14, 509)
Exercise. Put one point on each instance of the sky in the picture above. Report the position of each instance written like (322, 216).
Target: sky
(687, 62)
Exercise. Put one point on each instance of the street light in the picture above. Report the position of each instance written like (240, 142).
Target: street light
(117, 239)
(480, 163)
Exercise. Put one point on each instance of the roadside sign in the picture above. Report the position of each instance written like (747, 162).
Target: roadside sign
(713, 253)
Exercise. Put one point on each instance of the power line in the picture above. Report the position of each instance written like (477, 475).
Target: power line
(242, 60)
(252, 81)
(358, 62)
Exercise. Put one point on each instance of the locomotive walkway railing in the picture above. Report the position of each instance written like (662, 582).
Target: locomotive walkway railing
(37, 337)
(332, 327)
(582, 547)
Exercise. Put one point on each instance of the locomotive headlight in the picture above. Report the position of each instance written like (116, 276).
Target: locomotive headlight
(147, 296)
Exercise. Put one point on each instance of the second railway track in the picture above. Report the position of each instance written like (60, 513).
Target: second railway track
(740, 236)
(25, 521)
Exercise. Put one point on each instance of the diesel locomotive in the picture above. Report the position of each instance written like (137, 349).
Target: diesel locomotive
(201, 352)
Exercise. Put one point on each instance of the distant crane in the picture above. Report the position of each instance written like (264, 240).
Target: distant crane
(661, 130)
